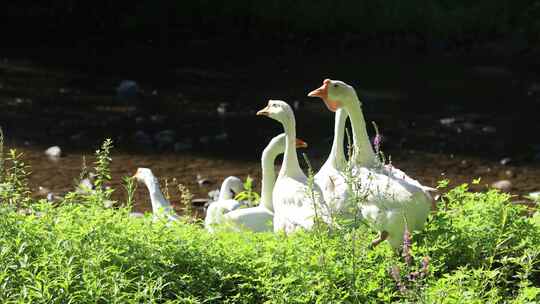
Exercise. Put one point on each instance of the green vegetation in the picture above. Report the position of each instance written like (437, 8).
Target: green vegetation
(478, 248)
(248, 194)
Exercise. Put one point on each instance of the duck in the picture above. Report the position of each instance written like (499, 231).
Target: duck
(392, 202)
(260, 218)
(331, 176)
(225, 203)
(296, 203)
(161, 207)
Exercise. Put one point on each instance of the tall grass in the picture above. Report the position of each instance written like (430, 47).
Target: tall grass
(481, 248)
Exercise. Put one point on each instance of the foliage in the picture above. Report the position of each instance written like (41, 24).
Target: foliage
(248, 194)
(130, 186)
(103, 160)
(185, 198)
(84, 253)
(14, 190)
(478, 248)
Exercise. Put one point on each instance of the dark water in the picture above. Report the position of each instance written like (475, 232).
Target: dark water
(440, 117)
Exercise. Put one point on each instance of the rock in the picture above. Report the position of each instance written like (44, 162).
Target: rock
(498, 71)
(509, 173)
(204, 140)
(503, 185)
(221, 137)
(165, 137)
(535, 196)
(108, 203)
(199, 202)
(126, 90)
(158, 119)
(296, 105)
(76, 137)
(43, 191)
(447, 121)
(54, 152)
(202, 181)
(140, 137)
(482, 170)
(183, 146)
(222, 108)
(489, 129)
(136, 215)
(505, 161)
(139, 120)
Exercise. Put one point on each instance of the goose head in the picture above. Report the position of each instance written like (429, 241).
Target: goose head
(336, 94)
(230, 187)
(278, 110)
(144, 175)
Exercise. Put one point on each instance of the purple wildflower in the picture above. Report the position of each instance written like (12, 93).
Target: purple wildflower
(396, 275)
(407, 246)
(377, 142)
(425, 266)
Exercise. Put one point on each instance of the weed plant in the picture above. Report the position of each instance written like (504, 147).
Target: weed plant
(248, 195)
(478, 248)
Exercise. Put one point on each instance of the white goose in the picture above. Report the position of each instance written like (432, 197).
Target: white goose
(259, 218)
(161, 208)
(295, 205)
(392, 199)
(330, 177)
(231, 186)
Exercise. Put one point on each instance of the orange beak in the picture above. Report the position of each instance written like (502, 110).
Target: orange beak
(322, 93)
(264, 112)
(301, 144)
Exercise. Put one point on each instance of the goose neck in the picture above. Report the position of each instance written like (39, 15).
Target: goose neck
(363, 151)
(290, 166)
(156, 196)
(336, 159)
(268, 177)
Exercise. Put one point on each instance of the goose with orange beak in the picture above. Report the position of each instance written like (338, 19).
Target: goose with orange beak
(393, 200)
(260, 218)
(294, 202)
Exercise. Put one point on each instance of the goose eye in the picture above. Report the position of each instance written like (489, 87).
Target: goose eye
(336, 85)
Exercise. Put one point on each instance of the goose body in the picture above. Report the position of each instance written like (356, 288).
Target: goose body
(161, 207)
(391, 200)
(260, 218)
(295, 204)
(331, 175)
(214, 214)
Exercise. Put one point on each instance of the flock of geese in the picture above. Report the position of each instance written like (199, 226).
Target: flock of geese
(363, 186)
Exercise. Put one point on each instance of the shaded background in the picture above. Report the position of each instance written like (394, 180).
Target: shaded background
(453, 85)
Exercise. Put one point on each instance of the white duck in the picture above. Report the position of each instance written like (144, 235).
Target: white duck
(260, 218)
(331, 178)
(295, 204)
(392, 199)
(231, 186)
(161, 208)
